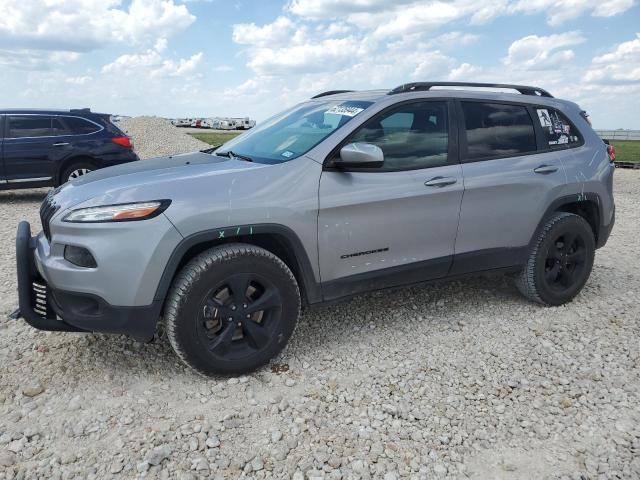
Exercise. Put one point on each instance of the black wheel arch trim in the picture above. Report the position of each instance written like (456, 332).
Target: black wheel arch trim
(309, 286)
(601, 235)
(67, 162)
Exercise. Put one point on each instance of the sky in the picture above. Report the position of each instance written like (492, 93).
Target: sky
(183, 58)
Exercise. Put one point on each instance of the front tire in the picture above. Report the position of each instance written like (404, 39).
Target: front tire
(231, 309)
(560, 261)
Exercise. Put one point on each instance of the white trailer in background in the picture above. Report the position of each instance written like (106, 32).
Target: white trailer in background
(181, 122)
(224, 124)
(244, 123)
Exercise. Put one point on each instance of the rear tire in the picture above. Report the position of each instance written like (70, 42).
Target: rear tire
(231, 309)
(76, 170)
(560, 261)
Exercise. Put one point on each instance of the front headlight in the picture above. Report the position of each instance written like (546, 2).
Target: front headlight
(123, 212)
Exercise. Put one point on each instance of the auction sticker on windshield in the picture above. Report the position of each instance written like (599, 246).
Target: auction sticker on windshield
(345, 110)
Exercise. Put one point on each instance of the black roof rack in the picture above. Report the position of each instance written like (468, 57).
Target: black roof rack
(420, 86)
(330, 92)
(80, 110)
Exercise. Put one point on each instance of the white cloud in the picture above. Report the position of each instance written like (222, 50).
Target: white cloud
(153, 63)
(125, 64)
(621, 65)
(337, 8)
(559, 11)
(465, 72)
(277, 33)
(417, 18)
(332, 54)
(181, 67)
(85, 25)
(542, 53)
(27, 59)
(429, 13)
(82, 80)
(431, 65)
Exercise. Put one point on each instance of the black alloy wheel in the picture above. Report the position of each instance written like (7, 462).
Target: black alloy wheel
(565, 263)
(239, 316)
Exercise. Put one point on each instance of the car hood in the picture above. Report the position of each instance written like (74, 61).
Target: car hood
(129, 181)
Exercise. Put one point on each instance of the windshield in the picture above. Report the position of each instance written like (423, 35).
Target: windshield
(293, 132)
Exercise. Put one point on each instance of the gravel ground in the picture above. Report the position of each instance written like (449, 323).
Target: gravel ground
(462, 380)
(155, 137)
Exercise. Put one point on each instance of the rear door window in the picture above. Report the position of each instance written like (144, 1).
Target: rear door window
(497, 130)
(558, 130)
(28, 126)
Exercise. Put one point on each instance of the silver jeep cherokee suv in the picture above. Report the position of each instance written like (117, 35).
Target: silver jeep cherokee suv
(345, 193)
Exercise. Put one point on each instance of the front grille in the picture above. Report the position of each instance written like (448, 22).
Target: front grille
(47, 211)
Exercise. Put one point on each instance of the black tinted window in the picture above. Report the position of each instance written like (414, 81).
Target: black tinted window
(29, 126)
(411, 136)
(72, 126)
(58, 127)
(558, 131)
(495, 130)
(80, 126)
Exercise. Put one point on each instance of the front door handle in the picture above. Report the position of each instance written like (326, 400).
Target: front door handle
(440, 182)
(544, 169)
(61, 144)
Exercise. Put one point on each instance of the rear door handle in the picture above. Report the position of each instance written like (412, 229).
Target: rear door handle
(545, 169)
(60, 144)
(440, 182)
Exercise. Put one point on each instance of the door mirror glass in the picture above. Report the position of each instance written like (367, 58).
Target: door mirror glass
(360, 155)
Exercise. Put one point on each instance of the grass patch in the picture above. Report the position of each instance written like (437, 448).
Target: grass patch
(215, 138)
(627, 150)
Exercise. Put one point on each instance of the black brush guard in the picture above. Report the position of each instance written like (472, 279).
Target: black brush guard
(33, 296)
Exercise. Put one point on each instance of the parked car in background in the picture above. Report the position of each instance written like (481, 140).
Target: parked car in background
(40, 148)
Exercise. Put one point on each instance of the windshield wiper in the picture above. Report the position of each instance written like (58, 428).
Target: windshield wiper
(233, 155)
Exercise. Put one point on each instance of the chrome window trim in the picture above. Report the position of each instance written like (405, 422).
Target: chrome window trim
(8, 115)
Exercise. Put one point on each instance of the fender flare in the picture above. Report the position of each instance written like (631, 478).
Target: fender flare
(557, 204)
(66, 162)
(310, 287)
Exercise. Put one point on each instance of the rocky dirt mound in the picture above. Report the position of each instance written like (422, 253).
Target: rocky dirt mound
(154, 137)
(456, 380)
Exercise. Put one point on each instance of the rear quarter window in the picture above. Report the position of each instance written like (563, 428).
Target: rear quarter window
(495, 130)
(558, 131)
(80, 126)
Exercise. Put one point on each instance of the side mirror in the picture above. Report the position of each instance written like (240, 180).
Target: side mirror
(360, 155)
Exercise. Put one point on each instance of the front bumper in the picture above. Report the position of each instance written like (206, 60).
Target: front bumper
(46, 308)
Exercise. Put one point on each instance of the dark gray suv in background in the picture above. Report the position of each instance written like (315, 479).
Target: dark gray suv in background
(40, 148)
(344, 193)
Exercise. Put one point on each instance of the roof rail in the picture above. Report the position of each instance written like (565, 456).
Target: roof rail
(420, 86)
(80, 110)
(330, 92)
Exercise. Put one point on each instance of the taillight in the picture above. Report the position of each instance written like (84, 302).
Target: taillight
(611, 151)
(122, 141)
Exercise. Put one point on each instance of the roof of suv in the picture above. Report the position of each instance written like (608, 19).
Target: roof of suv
(479, 91)
(40, 111)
